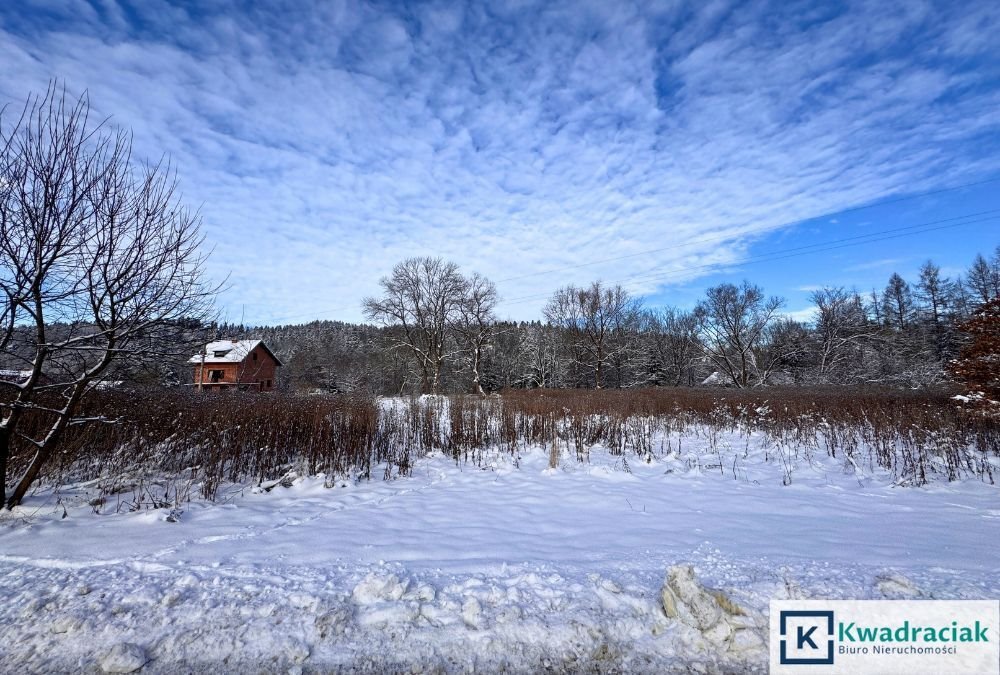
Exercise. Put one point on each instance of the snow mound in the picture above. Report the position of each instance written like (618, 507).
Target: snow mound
(124, 657)
(334, 622)
(376, 588)
(897, 587)
(723, 624)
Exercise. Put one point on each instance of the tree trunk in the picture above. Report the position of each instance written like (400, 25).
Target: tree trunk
(29, 476)
(4, 453)
(436, 384)
(477, 387)
(58, 428)
(44, 450)
(425, 380)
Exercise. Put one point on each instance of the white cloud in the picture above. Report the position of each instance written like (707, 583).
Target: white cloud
(880, 264)
(804, 315)
(326, 142)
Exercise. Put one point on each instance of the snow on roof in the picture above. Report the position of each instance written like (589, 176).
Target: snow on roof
(226, 351)
(14, 375)
(715, 379)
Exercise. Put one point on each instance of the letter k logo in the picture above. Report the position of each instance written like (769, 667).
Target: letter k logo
(803, 636)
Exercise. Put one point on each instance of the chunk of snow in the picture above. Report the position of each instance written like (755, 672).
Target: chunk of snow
(124, 657)
(375, 588)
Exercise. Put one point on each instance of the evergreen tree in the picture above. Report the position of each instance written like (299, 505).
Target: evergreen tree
(978, 363)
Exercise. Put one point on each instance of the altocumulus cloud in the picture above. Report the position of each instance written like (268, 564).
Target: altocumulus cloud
(327, 140)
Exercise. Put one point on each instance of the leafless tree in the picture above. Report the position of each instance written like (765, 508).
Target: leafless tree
(897, 302)
(424, 296)
(841, 329)
(784, 347)
(94, 244)
(476, 324)
(933, 292)
(983, 278)
(671, 337)
(937, 298)
(593, 317)
(538, 357)
(732, 324)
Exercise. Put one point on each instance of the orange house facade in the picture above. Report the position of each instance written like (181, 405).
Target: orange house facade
(235, 364)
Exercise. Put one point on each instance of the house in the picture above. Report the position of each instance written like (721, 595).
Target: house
(243, 364)
(19, 377)
(15, 376)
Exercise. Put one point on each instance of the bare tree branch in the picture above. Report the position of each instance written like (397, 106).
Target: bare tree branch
(93, 242)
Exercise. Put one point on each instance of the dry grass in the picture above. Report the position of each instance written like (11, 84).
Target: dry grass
(917, 435)
(237, 437)
(240, 437)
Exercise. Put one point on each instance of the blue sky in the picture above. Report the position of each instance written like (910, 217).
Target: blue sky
(653, 144)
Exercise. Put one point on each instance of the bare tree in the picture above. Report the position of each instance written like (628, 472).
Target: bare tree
(983, 278)
(423, 296)
(897, 302)
(476, 324)
(841, 329)
(932, 290)
(936, 294)
(592, 318)
(95, 244)
(538, 357)
(671, 351)
(784, 347)
(731, 325)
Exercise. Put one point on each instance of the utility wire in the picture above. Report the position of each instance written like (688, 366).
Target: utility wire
(700, 240)
(733, 235)
(783, 254)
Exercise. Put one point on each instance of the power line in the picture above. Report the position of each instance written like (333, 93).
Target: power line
(858, 240)
(894, 233)
(774, 255)
(701, 240)
(732, 235)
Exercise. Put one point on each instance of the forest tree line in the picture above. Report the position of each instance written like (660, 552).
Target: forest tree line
(434, 329)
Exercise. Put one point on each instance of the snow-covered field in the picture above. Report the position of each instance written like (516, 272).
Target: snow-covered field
(511, 567)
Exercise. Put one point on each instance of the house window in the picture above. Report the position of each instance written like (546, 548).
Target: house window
(220, 353)
(255, 356)
(216, 375)
(269, 384)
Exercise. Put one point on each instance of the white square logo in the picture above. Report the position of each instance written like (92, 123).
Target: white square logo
(806, 637)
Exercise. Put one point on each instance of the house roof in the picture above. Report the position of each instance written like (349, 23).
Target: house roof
(230, 351)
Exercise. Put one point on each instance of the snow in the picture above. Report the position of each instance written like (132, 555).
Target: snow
(234, 351)
(124, 657)
(509, 566)
(714, 380)
(14, 375)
